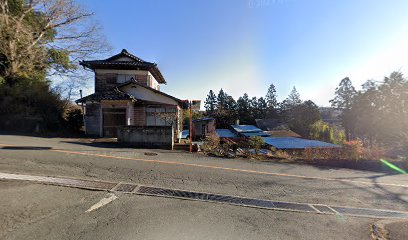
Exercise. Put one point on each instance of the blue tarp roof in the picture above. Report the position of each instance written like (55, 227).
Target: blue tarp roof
(225, 133)
(296, 143)
(185, 133)
(245, 128)
(253, 134)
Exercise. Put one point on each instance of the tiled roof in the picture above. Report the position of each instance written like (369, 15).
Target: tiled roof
(137, 63)
(108, 95)
(95, 63)
(125, 53)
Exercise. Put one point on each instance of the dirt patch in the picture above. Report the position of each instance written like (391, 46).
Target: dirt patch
(397, 230)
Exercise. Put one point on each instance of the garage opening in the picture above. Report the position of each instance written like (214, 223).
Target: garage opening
(112, 119)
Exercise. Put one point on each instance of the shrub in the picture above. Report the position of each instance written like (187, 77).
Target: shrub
(30, 99)
(282, 155)
(211, 144)
(322, 153)
(328, 133)
(373, 153)
(74, 119)
(256, 143)
(353, 149)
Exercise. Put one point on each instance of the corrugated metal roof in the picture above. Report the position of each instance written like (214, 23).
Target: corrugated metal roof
(246, 128)
(296, 143)
(254, 134)
(225, 133)
(203, 119)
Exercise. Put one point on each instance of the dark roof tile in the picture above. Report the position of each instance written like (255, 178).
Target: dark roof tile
(108, 95)
(138, 63)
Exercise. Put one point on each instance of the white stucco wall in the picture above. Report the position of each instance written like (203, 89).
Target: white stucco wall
(153, 82)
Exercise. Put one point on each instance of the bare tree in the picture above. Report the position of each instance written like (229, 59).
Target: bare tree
(169, 118)
(48, 36)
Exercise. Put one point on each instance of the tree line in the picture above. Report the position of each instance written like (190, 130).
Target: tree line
(378, 113)
(299, 115)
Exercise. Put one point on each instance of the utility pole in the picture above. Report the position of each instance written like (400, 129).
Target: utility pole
(191, 127)
(83, 110)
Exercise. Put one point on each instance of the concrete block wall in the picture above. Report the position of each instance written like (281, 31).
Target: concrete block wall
(147, 136)
(93, 119)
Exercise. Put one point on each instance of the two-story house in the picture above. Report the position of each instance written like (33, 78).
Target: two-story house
(127, 92)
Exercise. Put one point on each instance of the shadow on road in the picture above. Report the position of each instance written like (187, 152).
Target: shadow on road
(26, 148)
(99, 144)
(380, 191)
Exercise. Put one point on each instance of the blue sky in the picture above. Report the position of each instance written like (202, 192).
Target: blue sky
(245, 45)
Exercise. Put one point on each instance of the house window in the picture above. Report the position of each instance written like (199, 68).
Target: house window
(153, 116)
(122, 78)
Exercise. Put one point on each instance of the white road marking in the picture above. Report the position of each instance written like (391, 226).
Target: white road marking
(332, 209)
(227, 168)
(317, 210)
(102, 202)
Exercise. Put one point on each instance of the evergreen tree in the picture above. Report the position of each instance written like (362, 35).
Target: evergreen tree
(253, 108)
(344, 96)
(379, 115)
(225, 114)
(294, 98)
(221, 99)
(210, 103)
(243, 109)
(271, 102)
(303, 116)
(231, 104)
(262, 108)
(292, 101)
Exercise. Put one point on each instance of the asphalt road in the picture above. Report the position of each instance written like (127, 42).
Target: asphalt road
(35, 211)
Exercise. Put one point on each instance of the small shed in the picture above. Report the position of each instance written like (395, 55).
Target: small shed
(203, 127)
